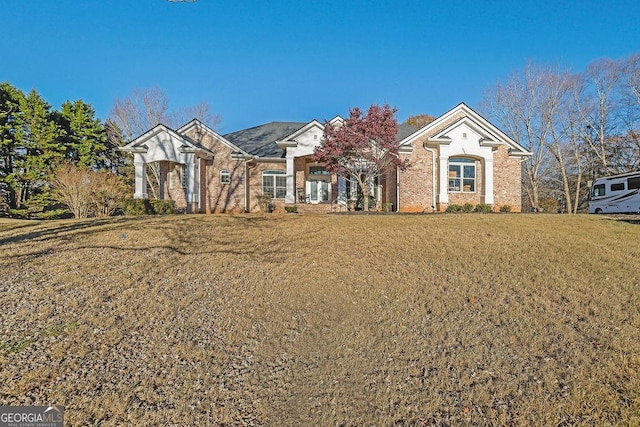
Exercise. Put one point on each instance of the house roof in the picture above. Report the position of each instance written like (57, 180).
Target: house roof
(261, 140)
(404, 130)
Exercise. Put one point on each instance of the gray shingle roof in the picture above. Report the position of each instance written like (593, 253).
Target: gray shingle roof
(261, 140)
(404, 130)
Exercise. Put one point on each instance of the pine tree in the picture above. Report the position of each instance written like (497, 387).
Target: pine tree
(39, 147)
(85, 136)
(10, 113)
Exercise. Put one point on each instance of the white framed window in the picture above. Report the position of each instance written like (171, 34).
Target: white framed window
(274, 183)
(462, 175)
(225, 177)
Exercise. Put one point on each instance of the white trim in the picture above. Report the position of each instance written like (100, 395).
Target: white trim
(481, 125)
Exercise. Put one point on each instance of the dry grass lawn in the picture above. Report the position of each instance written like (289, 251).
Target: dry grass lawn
(326, 320)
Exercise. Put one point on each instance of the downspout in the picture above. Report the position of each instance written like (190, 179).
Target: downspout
(433, 175)
(397, 189)
(246, 185)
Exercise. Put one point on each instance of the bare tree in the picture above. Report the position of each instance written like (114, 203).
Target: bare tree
(517, 106)
(144, 109)
(603, 77)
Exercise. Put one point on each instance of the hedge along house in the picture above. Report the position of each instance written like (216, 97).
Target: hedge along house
(460, 157)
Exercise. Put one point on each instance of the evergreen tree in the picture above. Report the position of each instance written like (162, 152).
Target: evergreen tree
(10, 113)
(39, 147)
(85, 136)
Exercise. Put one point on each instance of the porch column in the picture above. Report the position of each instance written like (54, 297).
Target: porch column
(488, 181)
(192, 178)
(141, 180)
(443, 182)
(290, 197)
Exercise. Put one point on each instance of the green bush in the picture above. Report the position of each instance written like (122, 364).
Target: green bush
(452, 208)
(467, 207)
(137, 207)
(505, 208)
(483, 208)
(163, 207)
(291, 209)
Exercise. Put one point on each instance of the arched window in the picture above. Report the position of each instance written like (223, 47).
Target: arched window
(274, 183)
(462, 175)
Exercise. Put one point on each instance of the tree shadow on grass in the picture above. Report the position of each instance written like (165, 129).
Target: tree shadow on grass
(58, 228)
(186, 235)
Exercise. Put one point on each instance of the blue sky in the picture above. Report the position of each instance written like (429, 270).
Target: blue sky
(256, 62)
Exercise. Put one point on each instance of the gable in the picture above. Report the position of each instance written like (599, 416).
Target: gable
(197, 130)
(464, 126)
(162, 143)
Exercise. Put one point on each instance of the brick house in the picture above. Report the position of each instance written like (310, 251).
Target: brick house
(460, 157)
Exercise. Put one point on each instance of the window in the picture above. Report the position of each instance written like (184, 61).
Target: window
(462, 175)
(617, 187)
(177, 175)
(598, 190)
(274, 183)
(318, 170)
(225, 177)
(633, 183)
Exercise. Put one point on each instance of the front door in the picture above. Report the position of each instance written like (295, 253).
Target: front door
(318, 190)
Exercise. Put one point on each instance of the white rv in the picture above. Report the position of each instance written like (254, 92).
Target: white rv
(616, 194)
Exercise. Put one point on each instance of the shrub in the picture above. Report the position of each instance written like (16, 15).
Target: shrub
(137, 207)
(107, 193)
(163, 207)
(291, 209)
(452, 208)
(264, 202)
(505, 208)
(386, 207)
(483, 208)
(467, 207)
(86, 192)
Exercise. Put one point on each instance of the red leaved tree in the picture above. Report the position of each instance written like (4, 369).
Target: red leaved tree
(362, 148)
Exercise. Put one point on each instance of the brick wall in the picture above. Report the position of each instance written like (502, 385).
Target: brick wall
(416, 183)
(216, 197)
(507, 187)
(255, 170)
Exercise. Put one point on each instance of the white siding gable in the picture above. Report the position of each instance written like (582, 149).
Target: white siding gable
(465, 140)
(163, 147)
(308, 141)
